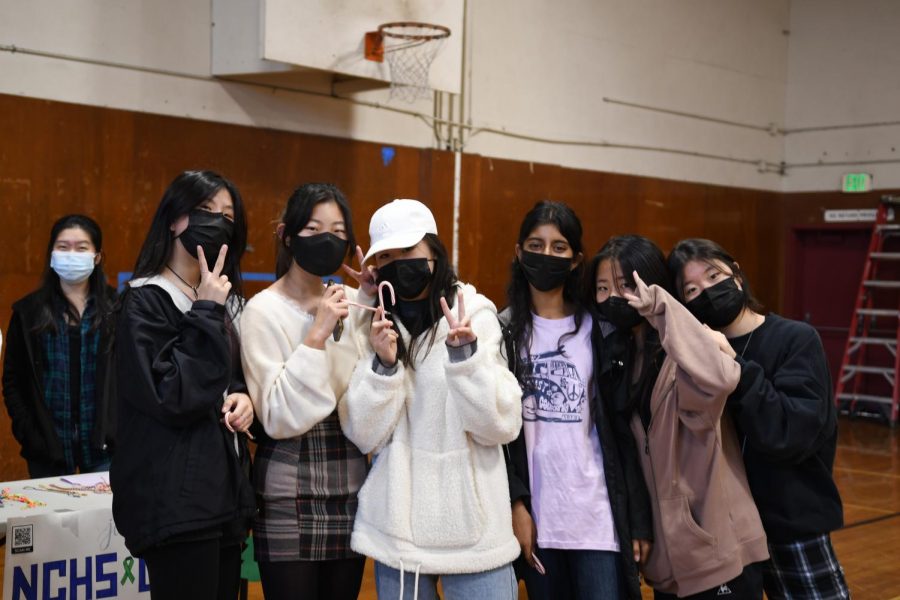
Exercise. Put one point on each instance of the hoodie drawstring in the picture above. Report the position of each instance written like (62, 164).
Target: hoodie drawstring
(402, 577)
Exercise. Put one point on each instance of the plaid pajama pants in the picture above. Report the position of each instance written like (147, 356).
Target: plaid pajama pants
(806, 569)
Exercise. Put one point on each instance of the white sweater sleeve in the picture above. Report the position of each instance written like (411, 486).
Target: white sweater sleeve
(373, 404)
(488, 397)
(289, 385)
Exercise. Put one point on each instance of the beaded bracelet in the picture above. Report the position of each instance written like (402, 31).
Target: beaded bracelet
(58, 490)
(6, 494)
(98, 488)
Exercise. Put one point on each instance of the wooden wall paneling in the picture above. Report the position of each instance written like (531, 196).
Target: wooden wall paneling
(607, 204)
(665, 209)
(268, 165)
(471, 233)
(435, 189)
(59, 158)
(732, 218)
(611, 204)
(39, 182)
(756, 246)
(767, 281)
(490, 218)
(114, 165)
(115, 193)
(604, 202)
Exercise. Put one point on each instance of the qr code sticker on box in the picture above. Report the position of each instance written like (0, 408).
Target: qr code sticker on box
(22, 539)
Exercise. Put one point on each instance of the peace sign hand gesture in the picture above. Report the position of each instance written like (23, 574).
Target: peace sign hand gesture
(365, 277)
(460, 332)
(213, 285)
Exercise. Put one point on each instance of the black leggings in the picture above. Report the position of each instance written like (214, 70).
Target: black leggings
(746, 586)
(317, 579)
(194, 570)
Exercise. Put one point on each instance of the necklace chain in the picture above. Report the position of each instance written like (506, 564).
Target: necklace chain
(182, 280)
(747, 344)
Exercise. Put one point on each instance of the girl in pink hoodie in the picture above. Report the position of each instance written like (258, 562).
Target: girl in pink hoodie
(668, 377)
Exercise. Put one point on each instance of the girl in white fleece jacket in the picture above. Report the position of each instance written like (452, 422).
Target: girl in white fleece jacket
(433, 399)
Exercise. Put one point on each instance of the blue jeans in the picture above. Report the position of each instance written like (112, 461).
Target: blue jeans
(498, 584)
(575, 575)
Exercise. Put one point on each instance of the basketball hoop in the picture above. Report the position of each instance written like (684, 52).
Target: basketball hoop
(410, 48)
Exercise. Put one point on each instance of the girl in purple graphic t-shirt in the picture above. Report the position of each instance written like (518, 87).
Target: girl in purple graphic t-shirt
(570, 498)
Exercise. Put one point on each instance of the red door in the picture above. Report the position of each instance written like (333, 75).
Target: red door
(824, 269)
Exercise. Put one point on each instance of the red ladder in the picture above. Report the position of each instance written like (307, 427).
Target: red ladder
(871, 352)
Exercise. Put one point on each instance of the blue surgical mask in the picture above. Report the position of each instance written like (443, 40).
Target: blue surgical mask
(72, 267)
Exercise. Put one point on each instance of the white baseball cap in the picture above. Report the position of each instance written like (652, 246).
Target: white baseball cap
(399, 224)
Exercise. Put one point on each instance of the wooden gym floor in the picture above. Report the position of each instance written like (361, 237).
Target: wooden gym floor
(867, 471)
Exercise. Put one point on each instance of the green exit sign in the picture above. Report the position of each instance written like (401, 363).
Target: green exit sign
(857, 182)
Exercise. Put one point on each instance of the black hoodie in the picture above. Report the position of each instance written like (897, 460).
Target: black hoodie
(784, 411)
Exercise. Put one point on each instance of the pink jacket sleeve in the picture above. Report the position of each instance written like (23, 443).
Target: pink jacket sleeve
(705, 375)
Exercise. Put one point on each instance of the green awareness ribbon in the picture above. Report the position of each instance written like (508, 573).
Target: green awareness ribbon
(127, 563)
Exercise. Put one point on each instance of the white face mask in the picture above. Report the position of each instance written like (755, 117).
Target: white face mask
(72, 267)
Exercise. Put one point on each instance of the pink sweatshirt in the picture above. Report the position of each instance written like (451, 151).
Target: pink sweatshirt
(706, 526)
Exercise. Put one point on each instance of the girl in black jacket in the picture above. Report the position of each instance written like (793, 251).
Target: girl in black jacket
(577, 521)
(785, 416)
(55, 381)
(182, 497)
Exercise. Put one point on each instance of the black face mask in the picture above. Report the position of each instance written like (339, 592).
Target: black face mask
(545, 272)
(409, 276)
(618, 312)
(208, 230)
(718, 305)
(320, 254)
(414, 314)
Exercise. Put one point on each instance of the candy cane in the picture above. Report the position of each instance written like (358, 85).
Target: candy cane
(381, 286)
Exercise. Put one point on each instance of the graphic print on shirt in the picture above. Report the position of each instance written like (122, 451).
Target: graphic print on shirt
(552, 390)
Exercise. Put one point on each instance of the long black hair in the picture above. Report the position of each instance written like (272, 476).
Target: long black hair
(298, 212)
(51, 300)
(517, 328)
(629, 253)
(443, 285)
(709, 252)
(188, 191)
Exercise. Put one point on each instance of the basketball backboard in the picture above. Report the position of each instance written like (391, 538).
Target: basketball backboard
(264, 38)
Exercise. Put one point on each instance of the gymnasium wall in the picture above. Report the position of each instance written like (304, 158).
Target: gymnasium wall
(576, 70)
(57, 158)
(536, 73)
(843, 70)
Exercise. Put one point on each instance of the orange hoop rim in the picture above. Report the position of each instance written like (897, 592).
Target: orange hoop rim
(440, 31)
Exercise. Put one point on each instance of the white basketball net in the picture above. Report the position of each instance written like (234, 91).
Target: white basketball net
(410, 60)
